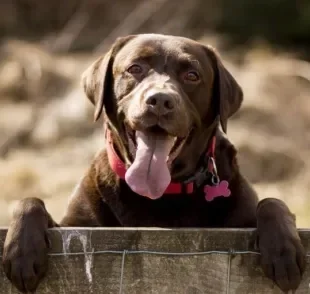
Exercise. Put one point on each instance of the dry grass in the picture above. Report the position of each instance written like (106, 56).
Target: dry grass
(271, 130)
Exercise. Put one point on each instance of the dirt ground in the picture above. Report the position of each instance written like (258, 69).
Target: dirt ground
(48, 139)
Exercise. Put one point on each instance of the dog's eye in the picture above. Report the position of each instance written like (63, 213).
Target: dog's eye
(191, 76)
(135, 69)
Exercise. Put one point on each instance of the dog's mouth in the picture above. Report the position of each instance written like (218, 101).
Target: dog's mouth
(153, 150)
(156, 131)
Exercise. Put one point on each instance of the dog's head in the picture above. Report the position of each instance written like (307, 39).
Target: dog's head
(161, 97)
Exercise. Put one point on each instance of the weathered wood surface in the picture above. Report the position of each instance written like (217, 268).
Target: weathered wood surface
(94, 261)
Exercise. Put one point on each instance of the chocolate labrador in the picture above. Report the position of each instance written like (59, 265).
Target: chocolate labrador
(165, 101)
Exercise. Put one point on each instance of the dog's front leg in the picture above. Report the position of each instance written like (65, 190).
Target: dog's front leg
(26, 244)
(282, 254)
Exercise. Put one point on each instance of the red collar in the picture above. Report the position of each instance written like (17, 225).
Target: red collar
(119, 167)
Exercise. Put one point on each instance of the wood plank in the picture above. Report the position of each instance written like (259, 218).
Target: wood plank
(155, 261)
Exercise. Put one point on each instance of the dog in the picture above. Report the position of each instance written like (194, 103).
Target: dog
(165, 103)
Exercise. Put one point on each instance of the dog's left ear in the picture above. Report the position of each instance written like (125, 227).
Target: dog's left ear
(227, 93)
(97, 79)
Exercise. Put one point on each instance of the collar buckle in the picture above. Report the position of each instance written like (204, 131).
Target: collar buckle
(203, 174)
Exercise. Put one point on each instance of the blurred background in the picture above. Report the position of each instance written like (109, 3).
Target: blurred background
(47, 134)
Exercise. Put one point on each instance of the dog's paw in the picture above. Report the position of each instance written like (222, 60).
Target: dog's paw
(283, 257)
(283, 261)
(26, 248)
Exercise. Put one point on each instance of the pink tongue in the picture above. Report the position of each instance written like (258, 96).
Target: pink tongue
(149, 174)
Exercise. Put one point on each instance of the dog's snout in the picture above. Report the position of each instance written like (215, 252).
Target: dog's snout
(160, 103)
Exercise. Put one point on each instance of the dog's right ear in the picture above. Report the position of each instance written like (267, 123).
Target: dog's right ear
(226, 90)
(97, 79)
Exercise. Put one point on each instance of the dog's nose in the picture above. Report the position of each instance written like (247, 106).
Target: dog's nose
(160, 103)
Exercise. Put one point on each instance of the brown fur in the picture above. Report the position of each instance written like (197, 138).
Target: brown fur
(102, 199)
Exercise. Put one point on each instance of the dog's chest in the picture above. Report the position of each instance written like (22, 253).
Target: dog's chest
(169, 211)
